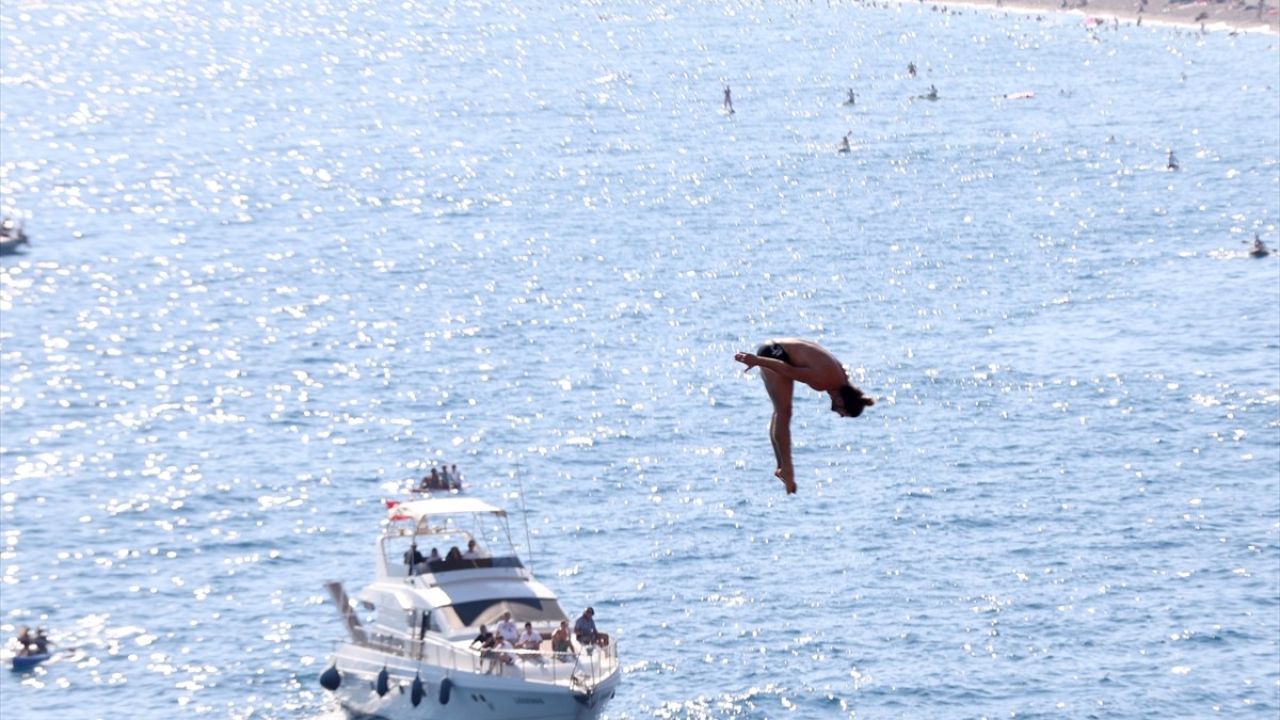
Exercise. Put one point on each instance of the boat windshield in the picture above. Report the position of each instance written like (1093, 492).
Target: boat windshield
(536, 610)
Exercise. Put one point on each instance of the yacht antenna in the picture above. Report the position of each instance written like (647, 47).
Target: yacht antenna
(524, 511)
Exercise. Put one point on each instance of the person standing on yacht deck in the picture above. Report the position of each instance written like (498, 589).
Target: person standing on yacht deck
(782, 362)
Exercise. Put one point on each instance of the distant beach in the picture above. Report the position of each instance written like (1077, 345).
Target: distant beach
(1256, 17)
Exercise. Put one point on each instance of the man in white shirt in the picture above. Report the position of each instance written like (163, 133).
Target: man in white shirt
(473, 551)
(529, 640)
(507, 629)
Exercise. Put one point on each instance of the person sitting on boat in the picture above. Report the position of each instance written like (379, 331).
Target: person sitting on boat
(486, 641)
(585, 630)
(41, 643)
(507, 629)
(455, 478)
(529, 640)
(412, 557)
(485, 637)
(474, 552)
(561, 645)
(25, 641)
(434, 557)
(502, 648)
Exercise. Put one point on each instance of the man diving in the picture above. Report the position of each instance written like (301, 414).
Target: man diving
(782, 362)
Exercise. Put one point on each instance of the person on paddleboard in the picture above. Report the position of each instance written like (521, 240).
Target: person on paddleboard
(782, 362)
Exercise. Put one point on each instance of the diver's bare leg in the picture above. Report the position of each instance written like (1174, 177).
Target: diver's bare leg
(780, 392)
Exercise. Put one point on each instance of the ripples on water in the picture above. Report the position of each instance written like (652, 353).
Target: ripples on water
(285, 255)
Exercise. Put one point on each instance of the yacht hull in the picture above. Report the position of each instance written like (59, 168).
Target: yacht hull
(365, 692)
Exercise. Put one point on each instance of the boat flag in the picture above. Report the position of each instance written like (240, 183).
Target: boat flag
(393, 509)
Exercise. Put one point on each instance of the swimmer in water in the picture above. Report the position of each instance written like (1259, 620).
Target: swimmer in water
(782, 362)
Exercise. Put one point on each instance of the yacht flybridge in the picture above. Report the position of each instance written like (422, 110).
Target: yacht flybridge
(411, 650)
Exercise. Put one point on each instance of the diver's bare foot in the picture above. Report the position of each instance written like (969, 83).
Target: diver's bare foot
(787, 481)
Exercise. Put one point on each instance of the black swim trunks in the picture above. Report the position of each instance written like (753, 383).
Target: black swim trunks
(775, 351)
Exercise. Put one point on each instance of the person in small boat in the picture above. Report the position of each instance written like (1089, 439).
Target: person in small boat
(1260, 248)
(933, 93)
(434, 556)
(1172, 162)
(25, 641)
(584, 629)
(782, 362)
(455, 478)
(454, 555)
(911, 69)
(844, 144)
(561, 645)
(40, 643)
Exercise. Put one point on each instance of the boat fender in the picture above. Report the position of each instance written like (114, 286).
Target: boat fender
(417, 691)
(330, 679)
(446, 685)
(382, 686)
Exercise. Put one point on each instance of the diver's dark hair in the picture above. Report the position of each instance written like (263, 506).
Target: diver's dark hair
(854, 401)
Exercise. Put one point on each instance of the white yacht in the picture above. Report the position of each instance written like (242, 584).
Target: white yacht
(411, 651)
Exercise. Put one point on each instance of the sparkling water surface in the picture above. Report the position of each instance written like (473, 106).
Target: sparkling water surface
(286, 256)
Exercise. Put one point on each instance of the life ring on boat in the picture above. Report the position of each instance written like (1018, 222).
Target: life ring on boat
(330, 679)
(417, 691)
(446, 686)
(382, 686)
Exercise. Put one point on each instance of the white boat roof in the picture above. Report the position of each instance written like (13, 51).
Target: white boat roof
(416, 510)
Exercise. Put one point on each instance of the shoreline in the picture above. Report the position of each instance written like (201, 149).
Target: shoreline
(1232, 17)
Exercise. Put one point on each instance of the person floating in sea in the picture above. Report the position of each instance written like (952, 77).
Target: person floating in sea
(782, 362)
(728, 100)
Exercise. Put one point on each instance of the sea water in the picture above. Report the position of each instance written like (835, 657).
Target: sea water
(286, 258)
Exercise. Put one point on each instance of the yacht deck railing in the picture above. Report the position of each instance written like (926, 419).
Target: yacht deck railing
(582, 670)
